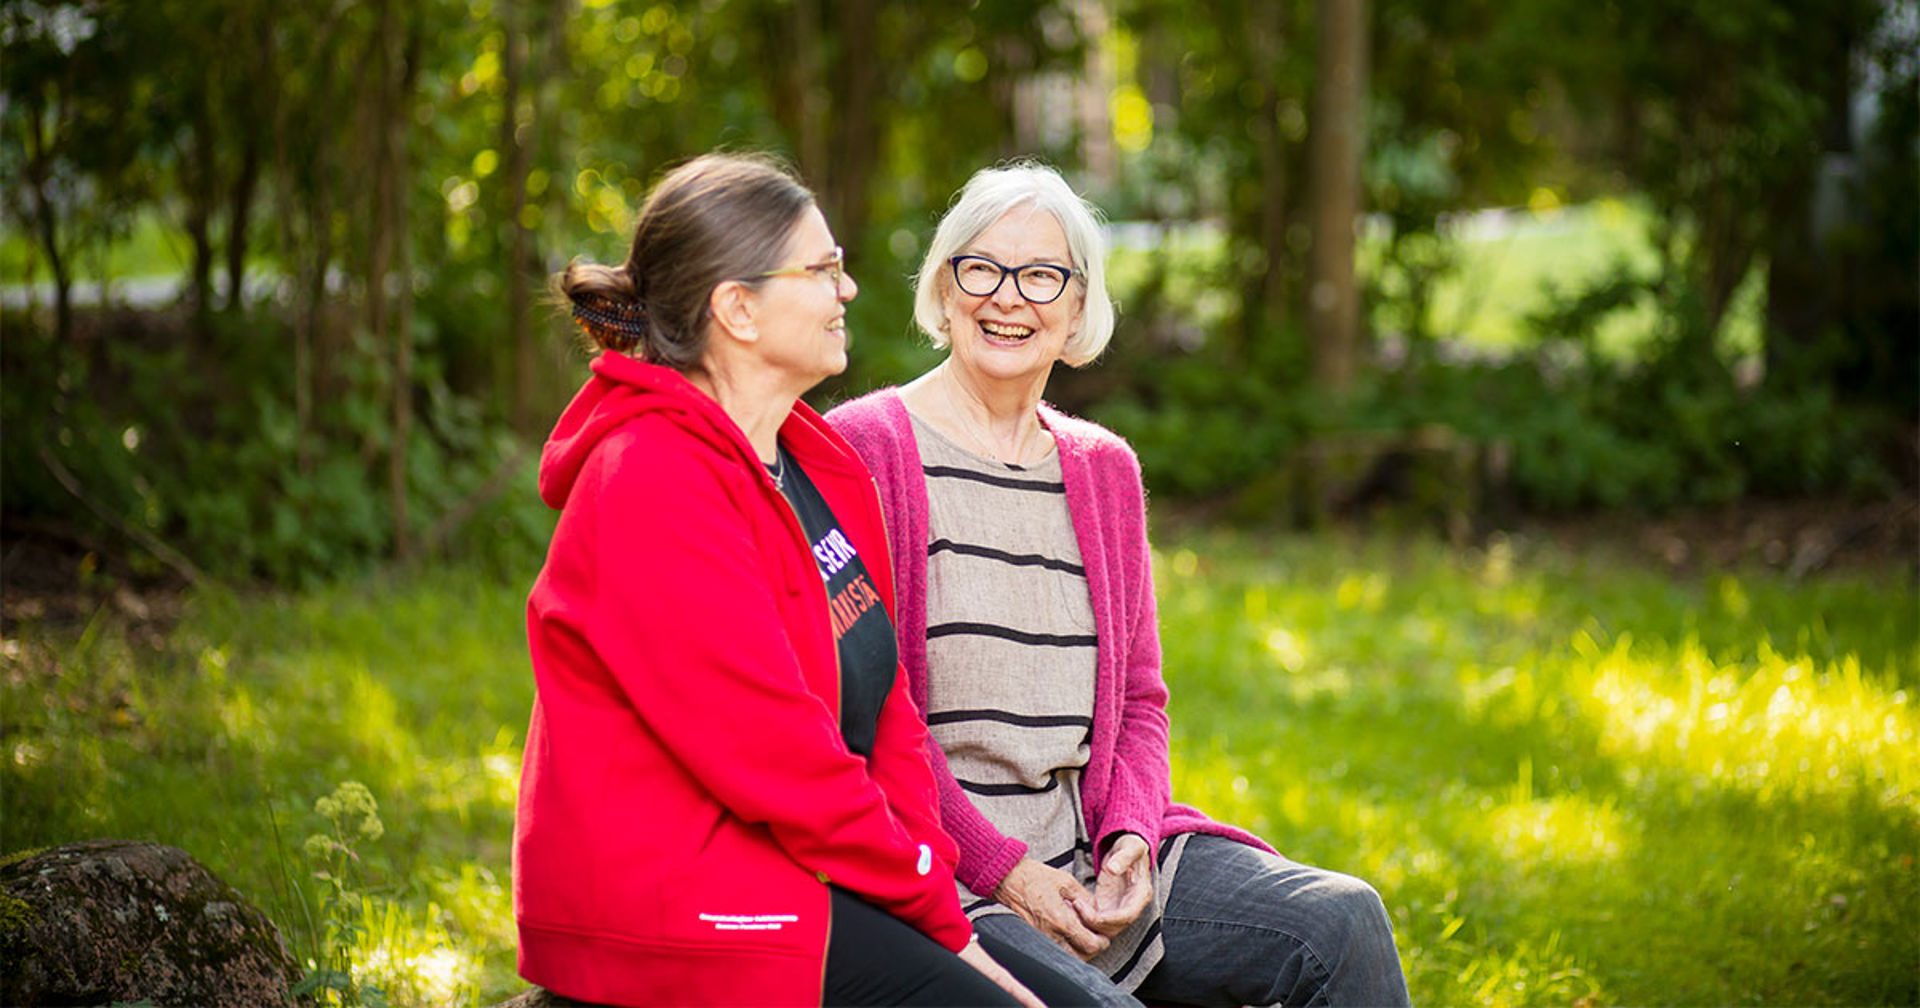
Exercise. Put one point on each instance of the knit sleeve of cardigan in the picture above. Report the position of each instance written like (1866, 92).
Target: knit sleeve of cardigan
(1136, 786)
(1139, 792)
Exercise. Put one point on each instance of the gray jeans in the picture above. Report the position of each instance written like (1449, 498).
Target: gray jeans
(1244, 927)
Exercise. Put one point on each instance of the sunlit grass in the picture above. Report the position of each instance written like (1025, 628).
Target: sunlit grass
(1778, 726)
(1573, 779)
(220, 739)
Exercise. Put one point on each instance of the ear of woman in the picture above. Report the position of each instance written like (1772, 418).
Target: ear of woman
(733, 307)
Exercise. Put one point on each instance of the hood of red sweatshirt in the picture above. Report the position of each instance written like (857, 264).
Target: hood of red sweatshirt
(621, 389)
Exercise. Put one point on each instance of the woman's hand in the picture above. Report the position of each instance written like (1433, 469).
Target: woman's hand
(1050, 900)
(978, 958)
(1124, 888)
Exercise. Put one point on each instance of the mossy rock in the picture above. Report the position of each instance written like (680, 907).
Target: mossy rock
(110, 921)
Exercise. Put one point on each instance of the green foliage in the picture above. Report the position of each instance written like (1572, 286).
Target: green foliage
(1640, 436)
(256, 433)
(1199, 430)
(353, 819)
(154, 433)
(1582, 366)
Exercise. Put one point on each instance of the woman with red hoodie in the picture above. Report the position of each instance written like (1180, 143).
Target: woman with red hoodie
(726, 796)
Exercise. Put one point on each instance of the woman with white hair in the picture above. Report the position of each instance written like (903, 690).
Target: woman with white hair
(1027, 627)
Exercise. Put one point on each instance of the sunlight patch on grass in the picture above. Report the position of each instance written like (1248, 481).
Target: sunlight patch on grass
(371, 717)
(241, 718)
(1782, 727)
(1365, 591)
(1529, 973)
(1429, 859)
(236, 710)
(477, 903)
(485, 782)
(1288, 648)
(1565, 828)
(410, 956)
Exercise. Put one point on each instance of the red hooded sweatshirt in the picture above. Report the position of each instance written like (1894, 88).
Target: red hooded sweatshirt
(686, 795)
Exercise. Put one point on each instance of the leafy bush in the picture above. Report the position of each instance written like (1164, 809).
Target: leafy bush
(192, 446)
(1682, 423)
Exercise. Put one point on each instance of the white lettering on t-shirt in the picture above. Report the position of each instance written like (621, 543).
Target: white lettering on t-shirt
(834, 552)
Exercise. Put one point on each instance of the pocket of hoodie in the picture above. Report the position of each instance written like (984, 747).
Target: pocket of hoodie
(740, 889)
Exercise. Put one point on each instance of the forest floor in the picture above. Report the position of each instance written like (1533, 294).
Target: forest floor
(1797, 537)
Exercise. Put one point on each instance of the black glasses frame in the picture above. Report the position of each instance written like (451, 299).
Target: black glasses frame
(1066, 276)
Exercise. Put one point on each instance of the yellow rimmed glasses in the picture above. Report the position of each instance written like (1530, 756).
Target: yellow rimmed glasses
(831, 269)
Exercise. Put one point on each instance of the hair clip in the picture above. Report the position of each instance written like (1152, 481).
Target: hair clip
(621, 318)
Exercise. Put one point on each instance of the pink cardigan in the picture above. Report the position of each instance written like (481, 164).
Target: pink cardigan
(1126, 786)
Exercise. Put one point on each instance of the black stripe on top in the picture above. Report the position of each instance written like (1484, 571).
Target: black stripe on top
(1008, 717)
(1003, 790)
(1146, 942)
(1005, 482)
(1015, 559)
(1017, 636)
(1061, 861)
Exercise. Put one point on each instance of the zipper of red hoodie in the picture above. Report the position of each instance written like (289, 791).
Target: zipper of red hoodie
(812, 565)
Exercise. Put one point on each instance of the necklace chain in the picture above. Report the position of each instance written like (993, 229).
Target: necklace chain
(981, 437)
(779, 469)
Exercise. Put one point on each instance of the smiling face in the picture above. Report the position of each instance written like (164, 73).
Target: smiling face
(1003, 337)
(801, 316)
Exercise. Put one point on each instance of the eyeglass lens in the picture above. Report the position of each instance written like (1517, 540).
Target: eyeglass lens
(981, 277)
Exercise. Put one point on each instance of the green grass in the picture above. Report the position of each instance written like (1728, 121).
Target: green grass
(1514, 265)
(1573, 779)
(221, 737)
(151, 246)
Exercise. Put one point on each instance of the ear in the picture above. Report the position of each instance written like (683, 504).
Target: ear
(732, 306)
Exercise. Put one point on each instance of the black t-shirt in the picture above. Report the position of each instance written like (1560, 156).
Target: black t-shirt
(868, 655)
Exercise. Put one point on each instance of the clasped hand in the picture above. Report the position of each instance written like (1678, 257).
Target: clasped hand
(1062, 909)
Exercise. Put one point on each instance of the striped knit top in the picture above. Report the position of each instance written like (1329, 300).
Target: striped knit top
(1010, 624)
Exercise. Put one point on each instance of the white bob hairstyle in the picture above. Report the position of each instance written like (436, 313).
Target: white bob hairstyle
(981, 203)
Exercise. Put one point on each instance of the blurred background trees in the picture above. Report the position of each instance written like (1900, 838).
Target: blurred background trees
(355, 207)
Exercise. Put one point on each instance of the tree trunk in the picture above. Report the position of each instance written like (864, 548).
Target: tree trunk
(517, 160)
(1335, 141)
(314, 250)
(47, 224)
(1804, 281)
(253, 99)
(239, 215)
(310, 345)
(804, 99)
(389, 286)
(200, 190)
(829, 101)
(1265, 298)
(858, 79)
(400, 123)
